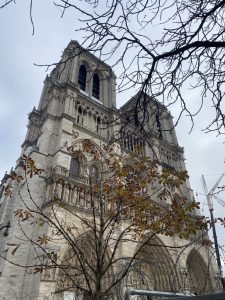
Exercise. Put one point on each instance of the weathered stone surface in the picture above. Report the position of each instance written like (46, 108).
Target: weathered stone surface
(66, 115)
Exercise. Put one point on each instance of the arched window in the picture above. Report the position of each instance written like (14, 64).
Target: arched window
(96, 86)
(74, 168)
(79, 115)
(82, 77)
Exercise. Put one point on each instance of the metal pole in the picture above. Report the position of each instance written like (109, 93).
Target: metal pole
(153, 293)
(217, 248)
(209, 196)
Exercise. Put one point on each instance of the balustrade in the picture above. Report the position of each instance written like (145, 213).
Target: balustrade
(75, 191)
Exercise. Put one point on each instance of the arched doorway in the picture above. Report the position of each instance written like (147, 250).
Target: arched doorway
(198, 274)
(78, 277)
(153, 269)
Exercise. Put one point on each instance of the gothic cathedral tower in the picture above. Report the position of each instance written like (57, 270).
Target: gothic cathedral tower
(78, 102)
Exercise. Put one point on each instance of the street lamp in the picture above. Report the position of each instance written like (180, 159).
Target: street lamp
(6, 233)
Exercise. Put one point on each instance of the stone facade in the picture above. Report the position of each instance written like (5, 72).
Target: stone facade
(78, 102)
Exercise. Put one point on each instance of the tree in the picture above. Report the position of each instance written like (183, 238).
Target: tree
(126, 201)
(160, 48)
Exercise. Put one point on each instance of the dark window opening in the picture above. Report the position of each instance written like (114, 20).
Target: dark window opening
(167, 166)
(82, 77)
(74, 168)
(96, 86)
(159, 127)
(86, 296)
(98, 124)
(79, 114)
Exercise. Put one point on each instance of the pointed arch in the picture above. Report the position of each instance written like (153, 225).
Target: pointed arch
(77, 272)
(198, 274)
(89, 142)
(154, 268)
(82, 77)
(96, 86)
(78, 163)
(74, 167)
(96, 156)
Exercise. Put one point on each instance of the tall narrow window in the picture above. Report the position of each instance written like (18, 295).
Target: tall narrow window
(82, 77)
(74, 168)
(96, 86)
(98, 124)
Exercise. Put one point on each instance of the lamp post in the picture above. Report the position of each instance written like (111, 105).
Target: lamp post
(6, 233)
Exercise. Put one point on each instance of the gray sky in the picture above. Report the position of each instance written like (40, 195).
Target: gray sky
(21, 84)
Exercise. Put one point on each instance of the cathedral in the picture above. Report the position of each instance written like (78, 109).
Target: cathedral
(78, 103)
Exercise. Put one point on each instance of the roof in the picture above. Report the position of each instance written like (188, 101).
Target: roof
(140, 95)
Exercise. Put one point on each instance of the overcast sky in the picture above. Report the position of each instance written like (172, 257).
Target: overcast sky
(21, 84)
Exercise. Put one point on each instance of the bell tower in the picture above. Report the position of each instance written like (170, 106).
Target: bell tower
(78, 103)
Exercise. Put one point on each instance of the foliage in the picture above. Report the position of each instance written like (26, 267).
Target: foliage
(130, 203)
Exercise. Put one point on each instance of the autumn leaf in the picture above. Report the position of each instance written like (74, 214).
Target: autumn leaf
(206, 242)
(23, 214)
(14, 176)
(106, 188)
(30, 167)
(43, 240)
(8, 191)
(15, 249)
(87, 144)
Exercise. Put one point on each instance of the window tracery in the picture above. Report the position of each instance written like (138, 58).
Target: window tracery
(132, 143)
